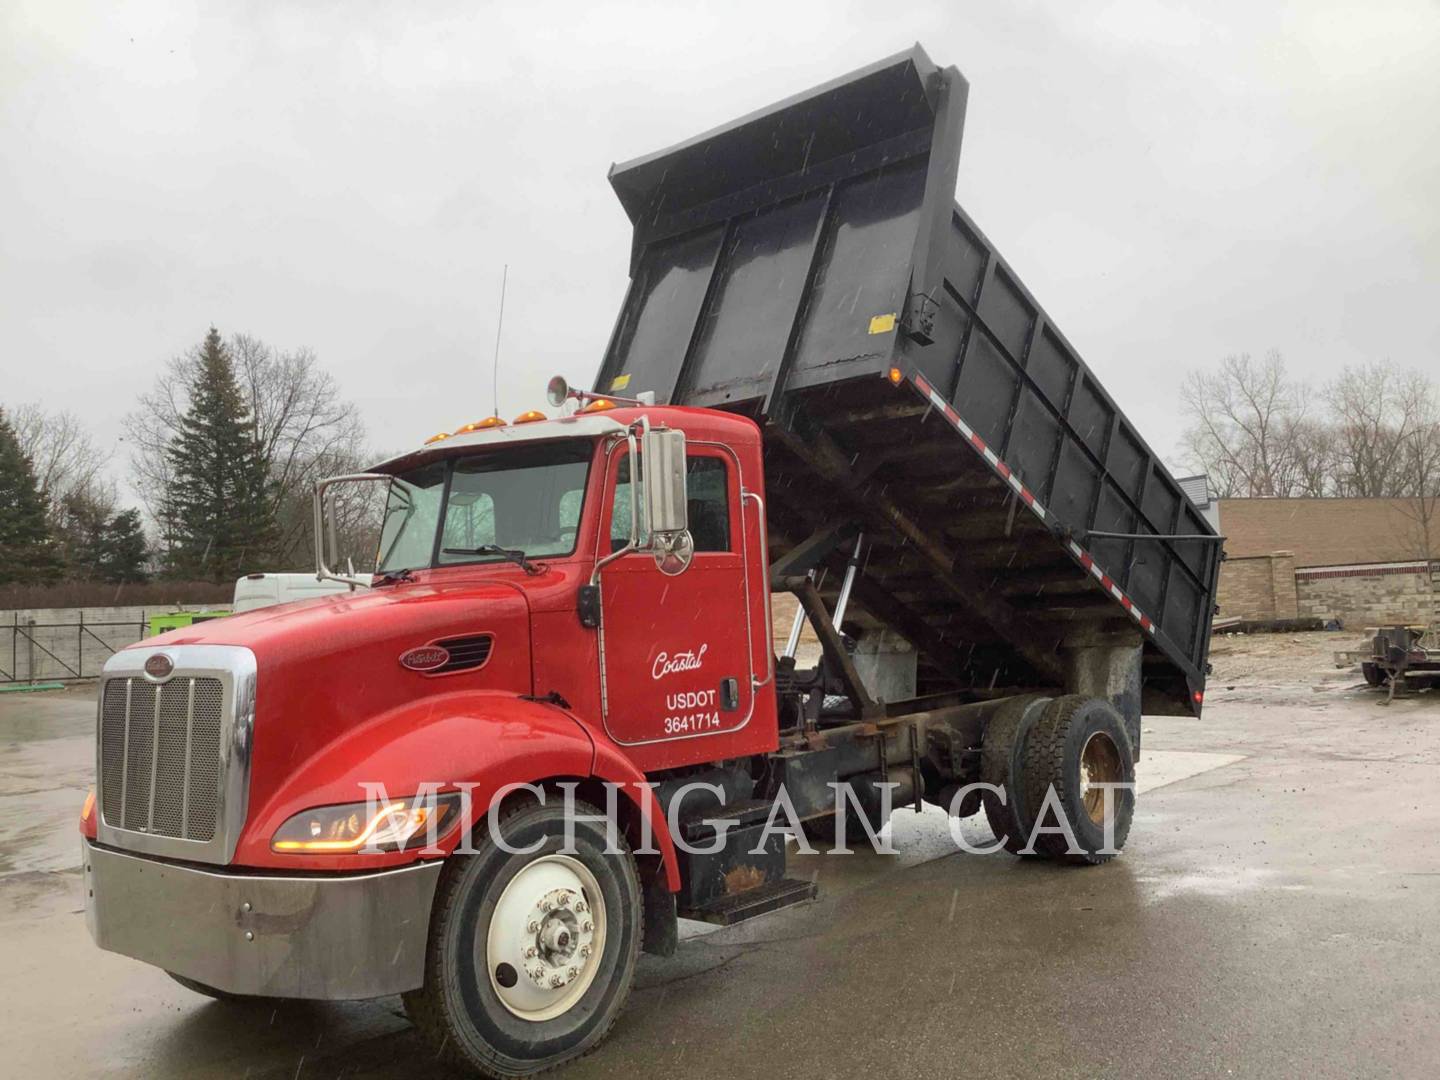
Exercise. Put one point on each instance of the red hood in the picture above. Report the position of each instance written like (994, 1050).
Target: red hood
(328, 664)
(327, 625)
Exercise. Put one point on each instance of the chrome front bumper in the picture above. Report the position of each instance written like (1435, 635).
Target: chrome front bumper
(328, 937)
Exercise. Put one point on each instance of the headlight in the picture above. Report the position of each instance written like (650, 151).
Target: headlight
(389, 826)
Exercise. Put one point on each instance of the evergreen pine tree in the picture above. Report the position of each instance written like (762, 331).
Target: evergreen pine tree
(27, 552)
(220, 509)
(123, 550)
(80, 536)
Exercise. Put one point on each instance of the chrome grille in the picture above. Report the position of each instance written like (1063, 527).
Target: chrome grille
(160, 751)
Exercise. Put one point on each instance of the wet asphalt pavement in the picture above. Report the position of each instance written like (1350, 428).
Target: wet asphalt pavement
(1276, 913)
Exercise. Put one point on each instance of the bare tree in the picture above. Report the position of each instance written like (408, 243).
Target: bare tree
(1315, 456)
(1419, 473)
(68, 466)
(1249, 427)
(1376, 411)
(302, 428)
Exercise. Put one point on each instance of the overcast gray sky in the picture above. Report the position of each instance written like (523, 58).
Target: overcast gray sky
(1174, 182)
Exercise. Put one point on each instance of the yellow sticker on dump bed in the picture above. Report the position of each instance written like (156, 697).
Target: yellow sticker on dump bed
(882, 324)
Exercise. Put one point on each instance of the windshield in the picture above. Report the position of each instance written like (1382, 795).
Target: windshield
(523, 499)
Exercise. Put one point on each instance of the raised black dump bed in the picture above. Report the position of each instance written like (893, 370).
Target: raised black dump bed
(807, 266)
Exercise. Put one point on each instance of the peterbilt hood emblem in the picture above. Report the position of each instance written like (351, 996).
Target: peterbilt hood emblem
(425, 658)
(159, 666)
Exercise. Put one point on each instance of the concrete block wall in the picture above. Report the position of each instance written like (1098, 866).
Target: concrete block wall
(52, 644)
(1378, 595)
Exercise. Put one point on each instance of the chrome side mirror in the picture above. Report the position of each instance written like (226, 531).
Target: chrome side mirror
(673, 552)
(666, 508)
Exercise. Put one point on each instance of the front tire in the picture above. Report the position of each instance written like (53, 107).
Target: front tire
(531, 956)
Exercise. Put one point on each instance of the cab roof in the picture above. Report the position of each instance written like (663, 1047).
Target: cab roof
(582, 426)
(698, 423)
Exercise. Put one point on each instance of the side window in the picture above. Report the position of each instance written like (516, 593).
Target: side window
(708, 504)
(708, 499)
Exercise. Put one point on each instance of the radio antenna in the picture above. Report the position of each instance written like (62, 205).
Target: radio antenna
(499, 325)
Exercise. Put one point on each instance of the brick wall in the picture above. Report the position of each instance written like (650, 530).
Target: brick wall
(1327, 532)
(1258, 587)
(1362, 596)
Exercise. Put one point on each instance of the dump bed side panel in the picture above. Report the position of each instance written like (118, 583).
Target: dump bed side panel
(1020, 386)
(790, 285)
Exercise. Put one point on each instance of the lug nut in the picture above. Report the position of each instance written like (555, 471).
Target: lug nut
(584, 952)
(587, 926)
(580, 906)
(533, 926)
(556, 982)
(564, 900)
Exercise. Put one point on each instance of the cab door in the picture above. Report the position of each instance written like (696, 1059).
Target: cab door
(675, 652)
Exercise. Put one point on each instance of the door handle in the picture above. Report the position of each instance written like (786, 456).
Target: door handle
(729, 694)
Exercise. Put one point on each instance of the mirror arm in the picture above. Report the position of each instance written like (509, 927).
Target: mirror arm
(633, 544)
(325, 526)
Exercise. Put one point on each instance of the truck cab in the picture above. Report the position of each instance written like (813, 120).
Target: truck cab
(527, 623)
(669, 663)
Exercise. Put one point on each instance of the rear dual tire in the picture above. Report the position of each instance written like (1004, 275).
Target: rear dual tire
(1002, 765)
(1052, 757)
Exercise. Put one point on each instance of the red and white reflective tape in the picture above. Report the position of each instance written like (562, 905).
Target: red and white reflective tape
(1088, 562)
(1027, 497)
(991, 458)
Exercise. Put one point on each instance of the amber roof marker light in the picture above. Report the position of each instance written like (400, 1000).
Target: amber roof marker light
(481, 425)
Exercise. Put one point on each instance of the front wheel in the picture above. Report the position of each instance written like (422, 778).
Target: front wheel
(532, 955)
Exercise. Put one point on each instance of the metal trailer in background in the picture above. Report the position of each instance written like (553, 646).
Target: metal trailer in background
(807, 266)
(1397, 658)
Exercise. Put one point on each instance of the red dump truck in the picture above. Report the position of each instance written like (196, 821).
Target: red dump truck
(556, 720)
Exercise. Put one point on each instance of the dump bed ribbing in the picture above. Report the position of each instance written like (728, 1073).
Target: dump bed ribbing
(807, 266)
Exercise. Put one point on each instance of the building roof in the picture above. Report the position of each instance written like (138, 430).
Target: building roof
(1196, 488)
(1327, 532)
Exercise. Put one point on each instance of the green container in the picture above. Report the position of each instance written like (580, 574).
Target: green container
(175, 621)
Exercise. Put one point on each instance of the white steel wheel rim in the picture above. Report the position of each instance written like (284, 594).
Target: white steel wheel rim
(546, 938)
